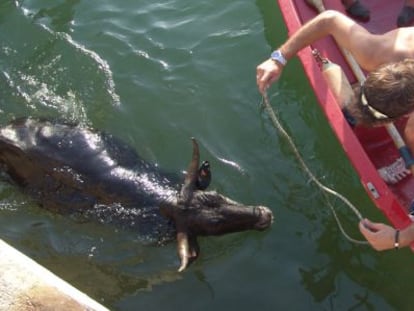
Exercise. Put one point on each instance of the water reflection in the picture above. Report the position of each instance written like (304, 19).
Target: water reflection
(61, 15)
(105, 282)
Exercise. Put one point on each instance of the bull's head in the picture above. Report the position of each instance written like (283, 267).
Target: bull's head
(197, 212)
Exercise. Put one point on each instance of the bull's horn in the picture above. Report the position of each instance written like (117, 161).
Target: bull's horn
(191, 177)
(183, 250)
(187, 248)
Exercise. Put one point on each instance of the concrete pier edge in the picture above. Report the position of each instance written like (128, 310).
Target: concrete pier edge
(26, 285)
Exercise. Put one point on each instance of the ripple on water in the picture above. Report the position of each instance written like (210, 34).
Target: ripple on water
(49, 73)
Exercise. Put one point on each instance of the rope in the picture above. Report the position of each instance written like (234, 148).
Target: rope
(280, 128)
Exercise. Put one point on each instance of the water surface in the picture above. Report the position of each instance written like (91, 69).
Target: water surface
(155, 74)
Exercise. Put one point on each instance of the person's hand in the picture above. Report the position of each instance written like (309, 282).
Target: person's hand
(380, 236)
(266, 73)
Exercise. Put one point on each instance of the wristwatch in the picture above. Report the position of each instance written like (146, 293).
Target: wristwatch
(278, 56)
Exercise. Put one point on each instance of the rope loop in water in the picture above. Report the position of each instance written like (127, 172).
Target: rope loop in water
(276, 123)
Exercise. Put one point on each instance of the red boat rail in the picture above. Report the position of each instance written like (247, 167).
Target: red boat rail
(367, 148)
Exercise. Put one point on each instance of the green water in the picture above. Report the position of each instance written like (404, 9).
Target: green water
(155, 74)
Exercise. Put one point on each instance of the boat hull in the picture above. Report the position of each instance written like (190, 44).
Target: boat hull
(367, 148)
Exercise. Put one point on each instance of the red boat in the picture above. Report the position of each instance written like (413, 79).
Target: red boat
(367, 148)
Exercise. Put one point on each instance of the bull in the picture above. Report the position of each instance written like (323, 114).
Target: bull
(71, 169)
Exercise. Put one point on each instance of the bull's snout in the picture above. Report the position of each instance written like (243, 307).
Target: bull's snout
(265, 217)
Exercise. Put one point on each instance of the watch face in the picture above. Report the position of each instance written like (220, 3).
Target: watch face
(278, 56)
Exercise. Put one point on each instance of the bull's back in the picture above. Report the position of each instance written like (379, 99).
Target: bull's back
(68, 166)
(71, 169)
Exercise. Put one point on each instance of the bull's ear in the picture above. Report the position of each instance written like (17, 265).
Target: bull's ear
(194, 248)
(203, 176)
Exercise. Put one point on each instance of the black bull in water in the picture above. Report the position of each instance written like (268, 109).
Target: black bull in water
(70, 169)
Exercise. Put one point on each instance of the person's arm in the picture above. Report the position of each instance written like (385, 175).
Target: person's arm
(383, 237)
(346, 32)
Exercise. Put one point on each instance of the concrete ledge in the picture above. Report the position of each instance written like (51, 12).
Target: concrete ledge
(26, 285)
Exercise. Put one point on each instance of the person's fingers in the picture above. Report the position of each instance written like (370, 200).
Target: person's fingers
(262, 85)
(371, 226)
(264, 80)
(362, 227)
(259, 79)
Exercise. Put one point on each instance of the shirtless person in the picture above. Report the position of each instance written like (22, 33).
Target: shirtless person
(371, 51)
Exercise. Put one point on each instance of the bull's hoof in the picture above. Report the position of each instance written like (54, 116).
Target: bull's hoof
(358, 11)
(406, 17)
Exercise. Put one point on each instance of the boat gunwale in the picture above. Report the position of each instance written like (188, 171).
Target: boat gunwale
(387, 202)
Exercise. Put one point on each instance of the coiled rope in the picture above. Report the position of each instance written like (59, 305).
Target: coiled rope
(279, 127)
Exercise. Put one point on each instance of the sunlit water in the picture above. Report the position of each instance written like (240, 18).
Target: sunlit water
(156, 74)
